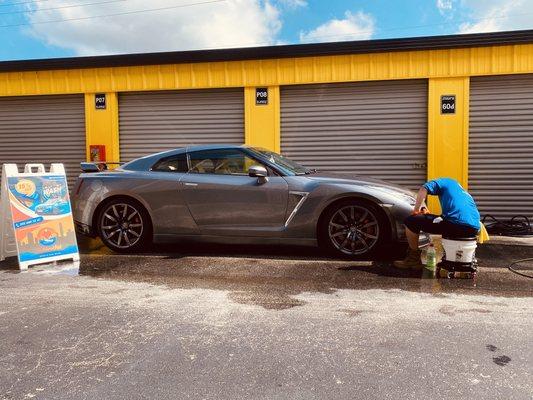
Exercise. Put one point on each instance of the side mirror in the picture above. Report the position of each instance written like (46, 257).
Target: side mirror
(89, 167)
(259, 172)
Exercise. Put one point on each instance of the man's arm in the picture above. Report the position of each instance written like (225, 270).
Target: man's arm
(420, 198)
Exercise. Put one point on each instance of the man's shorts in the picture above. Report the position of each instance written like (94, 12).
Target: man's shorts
(424, 223)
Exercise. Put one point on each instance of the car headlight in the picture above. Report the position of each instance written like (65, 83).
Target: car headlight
(406, 198)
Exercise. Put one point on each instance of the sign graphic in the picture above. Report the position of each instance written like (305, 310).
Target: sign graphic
(447, 104)
(99, 101)
(41, 217)
(261, 96)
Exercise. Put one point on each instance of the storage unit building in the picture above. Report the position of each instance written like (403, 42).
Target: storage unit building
(404, 110)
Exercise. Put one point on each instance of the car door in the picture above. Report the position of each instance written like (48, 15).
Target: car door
(224, 199)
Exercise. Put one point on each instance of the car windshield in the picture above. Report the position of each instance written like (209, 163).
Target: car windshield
(288, 166)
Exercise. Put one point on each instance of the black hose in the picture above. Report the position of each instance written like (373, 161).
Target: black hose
(512, 269)
(519, 225)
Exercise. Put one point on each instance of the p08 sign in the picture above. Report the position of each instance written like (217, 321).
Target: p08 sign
(447, 104)
(261, 96)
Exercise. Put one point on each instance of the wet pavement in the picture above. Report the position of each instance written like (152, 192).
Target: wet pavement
(218, 322)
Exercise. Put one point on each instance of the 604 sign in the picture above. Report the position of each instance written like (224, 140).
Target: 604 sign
(447, 104)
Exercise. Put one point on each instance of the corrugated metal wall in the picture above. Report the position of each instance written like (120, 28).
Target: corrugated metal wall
(43, 129)
(377, 129)
(157, 121)
(501, 145)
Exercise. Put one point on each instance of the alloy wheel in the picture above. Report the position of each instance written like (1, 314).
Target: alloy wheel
(122, 225)
(353, 230)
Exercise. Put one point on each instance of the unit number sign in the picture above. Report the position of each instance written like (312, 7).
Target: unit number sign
(261, 96)
(447, 104)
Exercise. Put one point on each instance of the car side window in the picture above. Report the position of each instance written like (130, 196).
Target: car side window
(220, 162)
(175, 163)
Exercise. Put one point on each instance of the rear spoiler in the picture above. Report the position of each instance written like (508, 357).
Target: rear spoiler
(97, 166)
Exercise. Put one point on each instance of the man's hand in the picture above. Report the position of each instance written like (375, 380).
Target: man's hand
(420, 205)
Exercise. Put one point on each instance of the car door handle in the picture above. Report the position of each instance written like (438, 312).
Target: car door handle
(190, 184)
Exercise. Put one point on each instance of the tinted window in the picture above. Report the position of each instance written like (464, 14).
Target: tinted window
(223, 162)
(176, 163)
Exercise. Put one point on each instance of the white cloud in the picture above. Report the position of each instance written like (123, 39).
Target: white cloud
(358, 26)
(293, 3)
(444, 6)
(230, 23)
(497, 15)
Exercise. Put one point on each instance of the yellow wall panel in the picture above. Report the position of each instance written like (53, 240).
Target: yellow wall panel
(287, 71)
(262, 122)
(448, 133)
(322, 69)
(481, 61)
(269, 72)
(379, 66)
(102, 125)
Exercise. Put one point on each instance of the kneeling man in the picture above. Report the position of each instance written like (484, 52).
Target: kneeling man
(460, 217)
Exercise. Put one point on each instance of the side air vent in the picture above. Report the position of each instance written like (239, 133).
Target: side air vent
(296, 199)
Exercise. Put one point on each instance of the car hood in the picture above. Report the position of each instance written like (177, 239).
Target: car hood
(350, 179)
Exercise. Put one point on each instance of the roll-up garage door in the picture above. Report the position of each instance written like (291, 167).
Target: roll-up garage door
(377, 129)
(43, 129)
(158, 121)
(501, 145)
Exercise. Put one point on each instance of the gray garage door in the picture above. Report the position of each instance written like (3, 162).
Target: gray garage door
(158, 121)
(370, 128)
(501, 145)
(43, 129)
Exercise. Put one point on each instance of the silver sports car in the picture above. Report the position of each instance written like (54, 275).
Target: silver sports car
(236, 194)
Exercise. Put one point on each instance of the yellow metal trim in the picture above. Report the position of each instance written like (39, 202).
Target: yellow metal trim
(102, 125)
(261, 122)
(512, 59)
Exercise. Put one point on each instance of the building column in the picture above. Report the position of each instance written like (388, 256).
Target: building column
(101, 125)
(448, 132)
(262, 121)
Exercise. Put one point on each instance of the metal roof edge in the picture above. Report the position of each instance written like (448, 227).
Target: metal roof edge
(273, 52)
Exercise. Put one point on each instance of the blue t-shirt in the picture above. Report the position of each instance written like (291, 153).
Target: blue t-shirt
(457, 205)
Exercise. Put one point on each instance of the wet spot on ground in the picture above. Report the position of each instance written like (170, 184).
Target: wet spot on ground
(451, 310)
(502, 361)
(269, 301)
(491, 347)
(350, 312)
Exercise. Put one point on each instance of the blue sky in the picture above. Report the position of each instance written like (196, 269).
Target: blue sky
(94, 27)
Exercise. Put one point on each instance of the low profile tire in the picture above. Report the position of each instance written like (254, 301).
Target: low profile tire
(353, 228)
(124, 225)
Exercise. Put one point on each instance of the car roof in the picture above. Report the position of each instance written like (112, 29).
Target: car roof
(145, 163)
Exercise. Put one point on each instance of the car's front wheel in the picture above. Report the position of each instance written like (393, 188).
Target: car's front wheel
(124, 225)
(352, 228)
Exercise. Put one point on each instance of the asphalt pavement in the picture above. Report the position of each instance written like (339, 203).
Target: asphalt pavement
(195, 322)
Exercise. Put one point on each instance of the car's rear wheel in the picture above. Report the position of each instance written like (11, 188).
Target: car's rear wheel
(124, 225)
(352, 228)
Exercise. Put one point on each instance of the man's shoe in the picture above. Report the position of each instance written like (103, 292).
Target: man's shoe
(411, 261)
